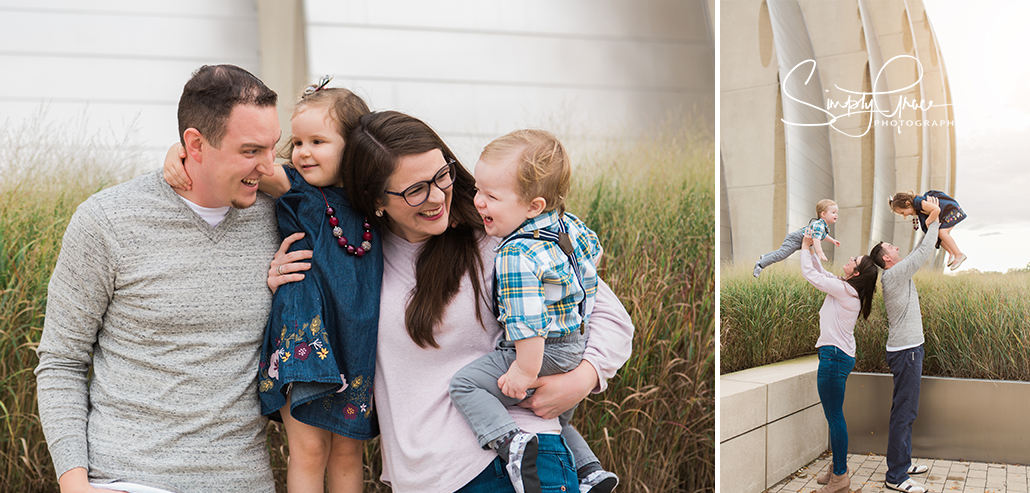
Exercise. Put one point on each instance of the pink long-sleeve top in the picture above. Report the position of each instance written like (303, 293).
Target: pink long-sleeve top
(427, 444)
(840, 309)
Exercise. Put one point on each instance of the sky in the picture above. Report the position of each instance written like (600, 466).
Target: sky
(984, 52)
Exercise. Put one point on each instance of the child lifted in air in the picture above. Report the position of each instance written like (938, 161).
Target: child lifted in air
(909, 204)
(826, 214)
(544, 285)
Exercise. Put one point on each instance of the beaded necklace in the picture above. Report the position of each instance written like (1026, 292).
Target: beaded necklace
(366, 244)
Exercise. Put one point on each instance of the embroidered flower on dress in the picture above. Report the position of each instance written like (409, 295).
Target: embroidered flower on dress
(286, 357)
(273, 367)
(316, 325)
(357, 381)
(302, 351)
(322, 353)
(350, 412)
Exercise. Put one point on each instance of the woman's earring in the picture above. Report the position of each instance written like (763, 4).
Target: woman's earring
(379, 213)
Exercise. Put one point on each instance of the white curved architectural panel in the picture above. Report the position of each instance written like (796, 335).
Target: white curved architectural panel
(884, 173)
(809, 161)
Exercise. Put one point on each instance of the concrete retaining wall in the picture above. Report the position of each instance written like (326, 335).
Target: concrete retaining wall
(771, 423)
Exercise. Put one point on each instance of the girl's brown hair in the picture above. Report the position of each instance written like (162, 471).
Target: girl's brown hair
(344, 107)
(373, 148)
(902, 200)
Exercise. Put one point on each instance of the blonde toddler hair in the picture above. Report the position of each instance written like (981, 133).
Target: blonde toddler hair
(543, 166)
(821, 206)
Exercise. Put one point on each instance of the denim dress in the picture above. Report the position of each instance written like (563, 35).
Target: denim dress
(320, 342)
(951, 213)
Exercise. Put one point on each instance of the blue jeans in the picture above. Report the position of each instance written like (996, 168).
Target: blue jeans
(554, 466)
(831, 379)
(907, 368)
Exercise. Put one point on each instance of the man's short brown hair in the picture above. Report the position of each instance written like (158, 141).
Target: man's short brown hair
(210, 95)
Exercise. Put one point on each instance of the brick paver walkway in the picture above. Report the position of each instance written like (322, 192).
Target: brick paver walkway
(945, 476)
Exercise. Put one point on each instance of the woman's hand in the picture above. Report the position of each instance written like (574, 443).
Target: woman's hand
(556, 394)
(174, 169)
(287, 267)
(807, 241)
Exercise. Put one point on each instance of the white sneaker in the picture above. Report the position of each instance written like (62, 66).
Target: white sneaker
(917, 469)
(909, 486)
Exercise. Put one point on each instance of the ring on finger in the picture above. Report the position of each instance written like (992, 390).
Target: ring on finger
(279, 270)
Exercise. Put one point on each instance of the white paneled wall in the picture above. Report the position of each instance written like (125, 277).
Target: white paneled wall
(116, 62)
(474, 70)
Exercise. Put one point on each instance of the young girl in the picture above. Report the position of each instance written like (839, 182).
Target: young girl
(909, 204)
(318, 358)
(826, 214)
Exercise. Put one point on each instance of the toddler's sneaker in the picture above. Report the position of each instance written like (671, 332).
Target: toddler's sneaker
(598, 482)
(521, 464)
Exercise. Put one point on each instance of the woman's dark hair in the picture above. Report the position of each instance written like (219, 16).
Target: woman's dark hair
(865, 283)
(370, 159)
(877, 254)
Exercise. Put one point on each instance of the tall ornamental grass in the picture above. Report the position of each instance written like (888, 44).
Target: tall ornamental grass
(46, 170)
(976, 325)
(653, 207)
(651, 202)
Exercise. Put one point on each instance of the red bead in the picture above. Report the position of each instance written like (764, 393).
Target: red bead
(359, 251)
(329, 211)
(342, 241)
(333, 221)
(367, 236)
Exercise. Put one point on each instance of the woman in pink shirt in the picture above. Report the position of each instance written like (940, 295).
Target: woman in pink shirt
(846, 297)
(436, 316)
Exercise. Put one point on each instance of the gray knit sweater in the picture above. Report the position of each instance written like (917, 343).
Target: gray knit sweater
(169, 314)
(900, 297)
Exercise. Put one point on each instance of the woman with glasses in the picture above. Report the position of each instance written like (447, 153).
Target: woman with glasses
(436, 315)
(846, 297)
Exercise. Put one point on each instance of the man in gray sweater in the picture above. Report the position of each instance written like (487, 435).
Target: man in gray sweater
(163, 295)
(904, 349)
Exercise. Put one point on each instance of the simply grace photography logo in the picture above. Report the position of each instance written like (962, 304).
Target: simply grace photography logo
(858, 103)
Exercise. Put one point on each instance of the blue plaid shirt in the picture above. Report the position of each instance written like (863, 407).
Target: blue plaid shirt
(819, 229)
(538, 295)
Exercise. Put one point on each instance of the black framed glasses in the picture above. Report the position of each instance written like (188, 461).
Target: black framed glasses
(418, 193)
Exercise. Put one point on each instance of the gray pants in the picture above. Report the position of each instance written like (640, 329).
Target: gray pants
(475, 392)
(791, 244)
